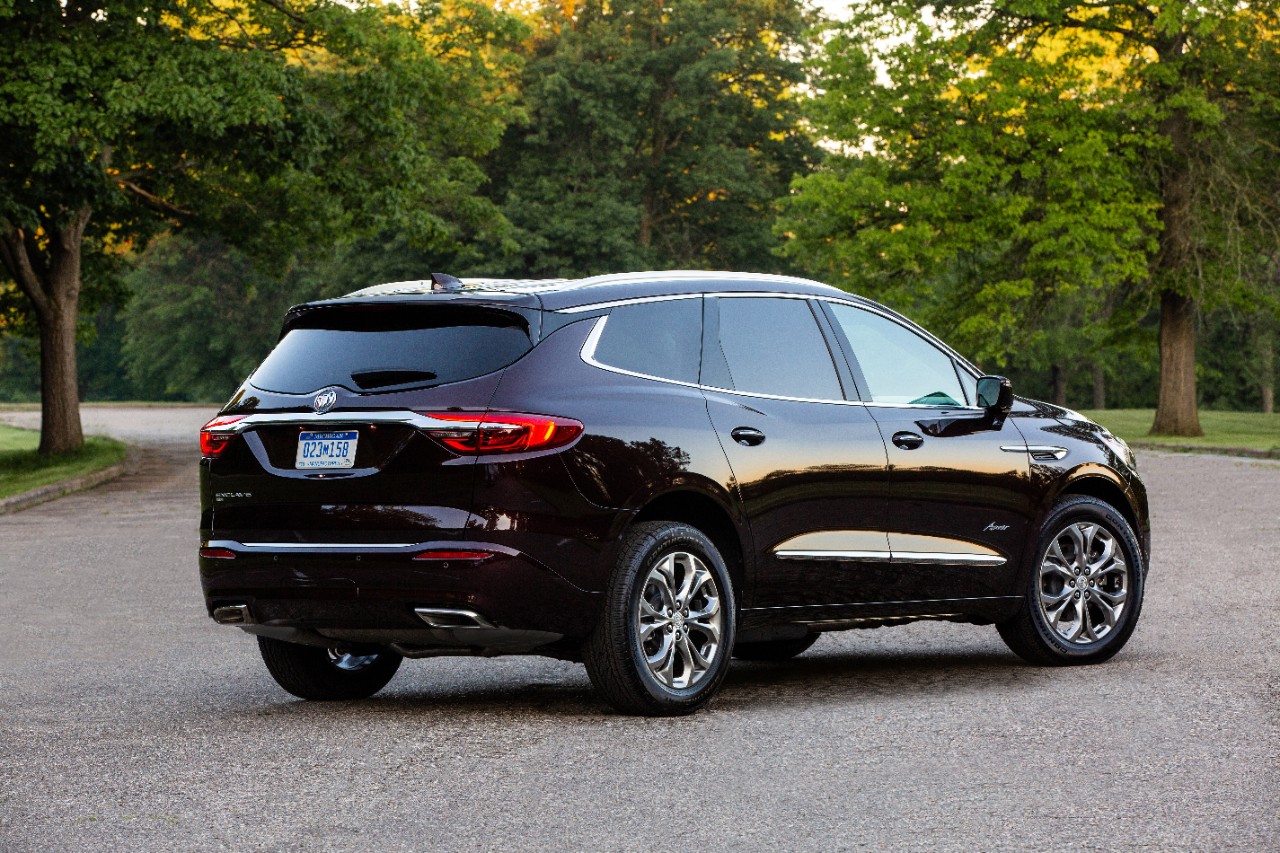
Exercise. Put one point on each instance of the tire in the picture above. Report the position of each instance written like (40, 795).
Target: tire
(1066, 594)
(775, 650)
(657, 562)
(310, 672)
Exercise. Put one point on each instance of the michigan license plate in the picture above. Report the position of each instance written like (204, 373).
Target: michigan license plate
(327, 450)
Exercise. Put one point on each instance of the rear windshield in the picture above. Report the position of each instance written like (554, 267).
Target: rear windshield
(391, 347)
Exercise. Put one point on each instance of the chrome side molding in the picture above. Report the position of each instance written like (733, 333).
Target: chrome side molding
(1043, 452)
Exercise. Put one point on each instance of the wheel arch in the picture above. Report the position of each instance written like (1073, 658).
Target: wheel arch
(1097, 484)
(700, 510)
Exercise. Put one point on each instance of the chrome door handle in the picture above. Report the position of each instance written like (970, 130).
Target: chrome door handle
(747, 436)
(907, 440)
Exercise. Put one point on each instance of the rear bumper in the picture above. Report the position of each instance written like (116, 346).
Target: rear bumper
(372, 594)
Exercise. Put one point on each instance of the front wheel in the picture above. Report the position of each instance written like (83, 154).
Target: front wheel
(310, 672)
(1084, 589)
(663, 641)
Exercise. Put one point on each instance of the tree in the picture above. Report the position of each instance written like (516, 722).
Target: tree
(273, 123)
(1152, 112)
(657, 135)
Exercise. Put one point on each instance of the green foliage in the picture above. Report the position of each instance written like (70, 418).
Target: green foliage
(203, 315)
(1007, 170)
(1252, 430)
(658, 135)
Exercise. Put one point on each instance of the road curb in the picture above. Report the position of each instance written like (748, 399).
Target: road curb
(28, 499)
(1196, 448)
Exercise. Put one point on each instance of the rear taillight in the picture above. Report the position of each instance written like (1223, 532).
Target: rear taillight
(217, 553)
(216, 434)
(501, 432)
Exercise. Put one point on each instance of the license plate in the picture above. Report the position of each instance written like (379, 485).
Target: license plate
(327, 450)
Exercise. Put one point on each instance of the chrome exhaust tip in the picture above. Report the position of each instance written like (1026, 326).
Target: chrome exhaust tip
(444, 617)
(232, 614)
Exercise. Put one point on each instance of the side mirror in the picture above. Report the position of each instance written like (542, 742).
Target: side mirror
(995, 394)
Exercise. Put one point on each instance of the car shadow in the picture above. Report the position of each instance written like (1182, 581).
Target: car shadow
(814, 678)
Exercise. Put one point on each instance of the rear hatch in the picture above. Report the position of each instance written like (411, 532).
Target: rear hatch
(336, 438)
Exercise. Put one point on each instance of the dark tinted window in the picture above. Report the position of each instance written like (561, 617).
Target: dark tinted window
(899, 365)
(654, 338)
(774, 346)
(391, 347)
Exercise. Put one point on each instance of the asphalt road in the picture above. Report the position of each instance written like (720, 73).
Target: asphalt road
(129, 721)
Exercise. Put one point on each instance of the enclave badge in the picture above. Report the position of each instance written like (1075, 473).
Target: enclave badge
(324, 401)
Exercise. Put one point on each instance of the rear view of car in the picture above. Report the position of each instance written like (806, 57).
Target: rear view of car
(337, 491)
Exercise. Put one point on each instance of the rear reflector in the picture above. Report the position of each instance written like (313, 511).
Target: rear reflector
(501, 432)
(216, 435)
(217, 553)
(454, 555)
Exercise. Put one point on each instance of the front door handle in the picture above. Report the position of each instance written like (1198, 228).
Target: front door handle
(747, 436)
(907, 440)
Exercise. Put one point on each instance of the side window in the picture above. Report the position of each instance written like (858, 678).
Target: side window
(773, 346)
(662, 339)
(899, 366)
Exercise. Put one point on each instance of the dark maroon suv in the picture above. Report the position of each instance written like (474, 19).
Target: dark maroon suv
(649, 473)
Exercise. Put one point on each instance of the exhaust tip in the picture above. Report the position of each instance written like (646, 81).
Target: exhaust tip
(445, 617)
(232, 614)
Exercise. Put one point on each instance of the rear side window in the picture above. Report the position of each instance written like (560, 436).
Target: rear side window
(662, 339)
(391, 347)
(773, 346)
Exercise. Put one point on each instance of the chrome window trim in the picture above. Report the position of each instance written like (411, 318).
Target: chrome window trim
(600, 306)
(588, 348)
(587, 354)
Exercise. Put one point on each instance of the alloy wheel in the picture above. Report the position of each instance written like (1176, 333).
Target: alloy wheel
(1083, 583)
(679, 620)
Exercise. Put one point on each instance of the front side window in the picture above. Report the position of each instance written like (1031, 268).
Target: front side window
(662, 339)
(772, 346)
(898, 365)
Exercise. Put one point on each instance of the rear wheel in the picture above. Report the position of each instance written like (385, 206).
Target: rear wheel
(662, 644)
(775, 649)
(1084, 589)
(310, 672)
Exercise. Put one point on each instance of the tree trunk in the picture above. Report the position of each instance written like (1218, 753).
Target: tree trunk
(1099, 387)
(1176, 412)
(1267, 371)
(1174, 268)
(60, 430)
(1059, 385)
(48, 273)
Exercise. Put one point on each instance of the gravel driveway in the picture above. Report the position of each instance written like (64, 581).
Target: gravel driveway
(131, 722)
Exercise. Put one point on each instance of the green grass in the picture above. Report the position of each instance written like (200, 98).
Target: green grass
(21, 468)
(1252, 430)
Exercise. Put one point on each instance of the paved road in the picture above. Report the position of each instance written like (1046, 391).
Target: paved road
(129, 721)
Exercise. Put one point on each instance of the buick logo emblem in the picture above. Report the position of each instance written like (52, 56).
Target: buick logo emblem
(324, 401)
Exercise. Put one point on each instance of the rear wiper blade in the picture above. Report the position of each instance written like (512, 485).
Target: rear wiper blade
(384, 378)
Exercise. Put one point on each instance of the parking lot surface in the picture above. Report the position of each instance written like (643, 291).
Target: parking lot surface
(129, 721)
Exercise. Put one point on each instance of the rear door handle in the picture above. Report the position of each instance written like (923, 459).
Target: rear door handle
(747, 436)
(907, 440)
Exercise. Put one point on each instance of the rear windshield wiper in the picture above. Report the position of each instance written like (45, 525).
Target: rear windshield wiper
(384, 378)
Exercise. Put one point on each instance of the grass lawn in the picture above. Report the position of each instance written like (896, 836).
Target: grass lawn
(21, 468)
(1221, 429)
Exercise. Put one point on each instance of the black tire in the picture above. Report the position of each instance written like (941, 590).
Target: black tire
(1030, 635)
(615, 654)
(310, 672)
(775, 650)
